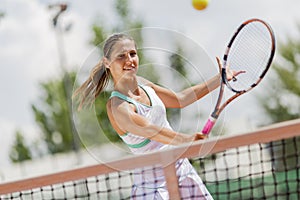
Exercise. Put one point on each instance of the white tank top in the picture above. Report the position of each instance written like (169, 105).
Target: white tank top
(155, 113)
(150, 181)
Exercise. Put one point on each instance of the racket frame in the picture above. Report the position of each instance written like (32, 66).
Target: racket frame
(224, 81)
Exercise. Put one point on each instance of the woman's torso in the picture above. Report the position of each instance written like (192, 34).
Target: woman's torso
(155, 113)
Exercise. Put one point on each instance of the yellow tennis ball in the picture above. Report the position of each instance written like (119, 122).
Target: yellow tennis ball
(200, 4)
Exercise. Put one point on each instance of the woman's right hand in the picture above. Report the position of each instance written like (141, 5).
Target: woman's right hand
(199, 136)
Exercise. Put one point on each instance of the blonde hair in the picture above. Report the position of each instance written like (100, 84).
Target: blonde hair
(99, 76)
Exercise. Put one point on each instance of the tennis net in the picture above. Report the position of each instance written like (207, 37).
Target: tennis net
(262, 164)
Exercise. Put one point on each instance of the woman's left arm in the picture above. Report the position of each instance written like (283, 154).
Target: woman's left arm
(188, 96)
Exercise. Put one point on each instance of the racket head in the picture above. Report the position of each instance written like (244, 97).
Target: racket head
(251, 49)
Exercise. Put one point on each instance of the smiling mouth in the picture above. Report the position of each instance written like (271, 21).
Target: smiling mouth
(129, 68)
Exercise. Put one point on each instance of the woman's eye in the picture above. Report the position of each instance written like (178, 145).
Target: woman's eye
(132, 54)
(121, 56)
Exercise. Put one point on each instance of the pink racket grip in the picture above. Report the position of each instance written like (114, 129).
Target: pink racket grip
(208, 126)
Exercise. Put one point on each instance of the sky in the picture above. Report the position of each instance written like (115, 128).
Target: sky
(28, 46)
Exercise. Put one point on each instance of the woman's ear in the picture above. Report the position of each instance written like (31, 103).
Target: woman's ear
(105, 62)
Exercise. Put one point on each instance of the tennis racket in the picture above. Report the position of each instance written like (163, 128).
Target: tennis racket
(251, 49)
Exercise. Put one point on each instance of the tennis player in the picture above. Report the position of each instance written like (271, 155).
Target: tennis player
(137, 111)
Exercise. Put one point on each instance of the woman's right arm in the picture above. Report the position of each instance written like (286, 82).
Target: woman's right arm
(124, 119)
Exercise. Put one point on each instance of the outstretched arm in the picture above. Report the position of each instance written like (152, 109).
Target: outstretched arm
(186, 97)
(124, 119)
(189, 95)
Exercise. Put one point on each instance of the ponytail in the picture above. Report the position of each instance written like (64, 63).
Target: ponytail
(93, 86)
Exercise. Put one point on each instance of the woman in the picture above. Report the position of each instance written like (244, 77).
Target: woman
(136, 110)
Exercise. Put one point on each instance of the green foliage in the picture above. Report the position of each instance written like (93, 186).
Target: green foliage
(19, 151)
(2, 14)
(289, 75)
(52, 114)
(282, 102)
(122, 8)
(283, 98)
(93, 125)
(277, 111)
(99, 36)
(177, 64)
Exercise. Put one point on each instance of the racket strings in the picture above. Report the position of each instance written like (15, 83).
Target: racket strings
(253, 53)
(250, 51)
(252, 57)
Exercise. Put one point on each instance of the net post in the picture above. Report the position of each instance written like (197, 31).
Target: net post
(169, 162)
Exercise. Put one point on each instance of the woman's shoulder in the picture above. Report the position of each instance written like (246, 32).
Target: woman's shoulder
(117, 105)
(113, 102)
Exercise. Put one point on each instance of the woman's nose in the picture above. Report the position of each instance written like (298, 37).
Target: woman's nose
(128, 58)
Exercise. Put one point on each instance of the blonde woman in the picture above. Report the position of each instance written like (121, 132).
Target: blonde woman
(137, 112)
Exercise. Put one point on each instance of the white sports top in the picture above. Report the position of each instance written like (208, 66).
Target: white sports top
(156, 113)
(149, 182)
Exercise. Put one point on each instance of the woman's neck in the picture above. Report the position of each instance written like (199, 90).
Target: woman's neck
(127, 86)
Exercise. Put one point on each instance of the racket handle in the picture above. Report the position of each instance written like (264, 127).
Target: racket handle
(208, 126)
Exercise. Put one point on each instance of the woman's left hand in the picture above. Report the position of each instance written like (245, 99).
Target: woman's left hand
(230, 74)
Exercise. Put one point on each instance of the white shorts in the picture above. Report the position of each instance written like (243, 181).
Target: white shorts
(150, 183)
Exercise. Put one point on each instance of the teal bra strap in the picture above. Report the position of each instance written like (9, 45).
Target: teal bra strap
(122, 96)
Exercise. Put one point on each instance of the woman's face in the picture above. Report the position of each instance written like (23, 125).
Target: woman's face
(123, 60)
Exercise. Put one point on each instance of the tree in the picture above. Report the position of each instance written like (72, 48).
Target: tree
(283, 101)
(2, 14)
(19, 151)
(52, 114)
(284, 97)
(177, 64)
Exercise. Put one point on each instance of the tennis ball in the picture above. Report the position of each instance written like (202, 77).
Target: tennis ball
(200, 4)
